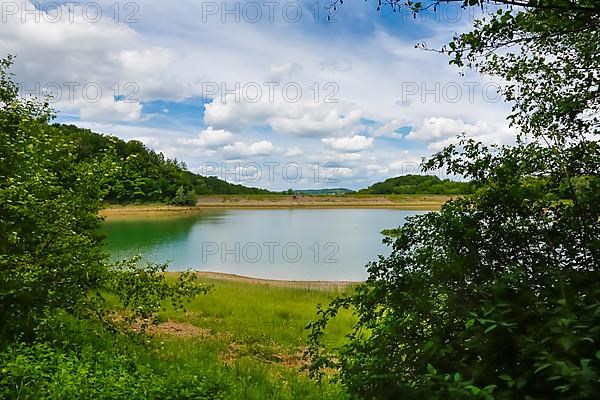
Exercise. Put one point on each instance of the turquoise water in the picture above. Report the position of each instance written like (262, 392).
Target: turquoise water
(292, 244)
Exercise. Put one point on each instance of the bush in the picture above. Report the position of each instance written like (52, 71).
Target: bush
(183, 198)
(40, 372)
(495, 296)
(50, 254)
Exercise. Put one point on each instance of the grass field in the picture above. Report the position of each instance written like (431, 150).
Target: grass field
(243, 340)
(253, 336)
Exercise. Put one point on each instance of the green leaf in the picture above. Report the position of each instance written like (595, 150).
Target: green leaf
(542, 367)
(431, 369)
(474, 390)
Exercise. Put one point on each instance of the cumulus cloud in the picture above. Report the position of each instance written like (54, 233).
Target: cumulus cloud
(371, 65)
(440, 132)
(437, 128)
(210, 138)
(149, 141)
(277, 73)
(313, 122)
(349, 144)
(343, 157)
(302, 118)
(106, 109)
(389, 129)
(242, 150)
(344, 172)
(71, 53)
(294, 152)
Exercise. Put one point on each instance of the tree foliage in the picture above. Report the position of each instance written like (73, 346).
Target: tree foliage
(496, 295)
(183, 198)
(419, 184)
(51, 259)
(48, 202)
(143, 175)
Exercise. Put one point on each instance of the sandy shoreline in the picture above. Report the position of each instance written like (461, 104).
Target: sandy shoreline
(401, 202)
(292, 284)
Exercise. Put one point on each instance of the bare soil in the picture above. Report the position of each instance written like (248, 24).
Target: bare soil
(207, 203)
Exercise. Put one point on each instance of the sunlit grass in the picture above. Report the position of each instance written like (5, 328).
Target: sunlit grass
(248, 335)
(255, 335)
(246, 312)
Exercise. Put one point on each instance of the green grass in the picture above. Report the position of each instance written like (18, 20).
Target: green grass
(260, 312)
(247, 339)
(257, 333)
(250, 346)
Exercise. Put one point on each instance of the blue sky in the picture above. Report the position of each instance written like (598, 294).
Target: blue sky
(253, 91)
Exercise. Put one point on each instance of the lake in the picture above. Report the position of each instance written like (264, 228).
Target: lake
(289, 244)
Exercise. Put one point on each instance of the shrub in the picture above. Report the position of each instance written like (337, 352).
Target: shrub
(40, 372)
(495, 296)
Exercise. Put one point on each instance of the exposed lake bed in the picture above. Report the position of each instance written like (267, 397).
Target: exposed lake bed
(403, 202)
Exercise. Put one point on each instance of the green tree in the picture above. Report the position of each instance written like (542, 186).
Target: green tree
(51, 258)
(185, 198)
(180, 197)
(419, 184)
(496, 295)
(142, 175)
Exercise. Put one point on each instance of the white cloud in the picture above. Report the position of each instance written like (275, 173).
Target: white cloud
(437, 128)
(343, 157)
(210, 138)
(303, 118)
(106, 109)
(405, 167)
(171, 52)
(71, 53)
(148, 141)
(349, 144)
(440, 132)
(277, 73)
(294, 152)
(242, 150)
(344, 172)
(314, 122)
(389, 129)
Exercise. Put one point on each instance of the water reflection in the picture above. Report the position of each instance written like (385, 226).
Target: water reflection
(306, 244)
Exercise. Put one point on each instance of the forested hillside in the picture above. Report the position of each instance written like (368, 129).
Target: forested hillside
(143, 175)
(419, 184)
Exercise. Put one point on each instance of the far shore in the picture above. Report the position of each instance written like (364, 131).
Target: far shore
(214, 202)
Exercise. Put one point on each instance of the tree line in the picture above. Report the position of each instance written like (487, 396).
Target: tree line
(419, 184)
(140, 174)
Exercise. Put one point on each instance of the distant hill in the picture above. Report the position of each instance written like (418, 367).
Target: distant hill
(333, 191)
(143, 175)
(418, 184)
